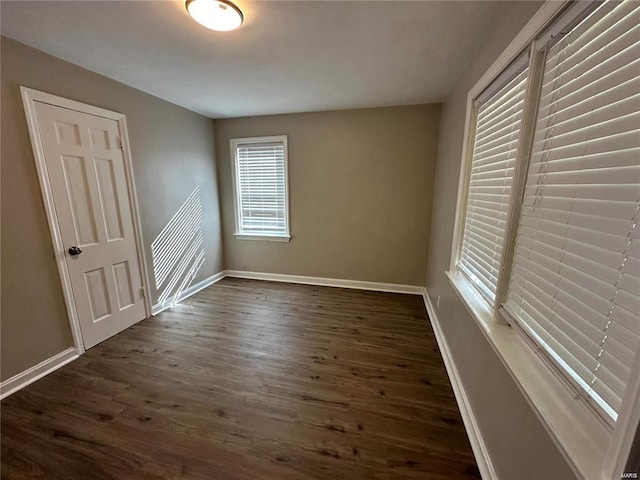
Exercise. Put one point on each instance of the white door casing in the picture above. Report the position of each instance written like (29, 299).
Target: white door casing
(91, 205)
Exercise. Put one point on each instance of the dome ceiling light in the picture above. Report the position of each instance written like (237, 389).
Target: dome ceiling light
(219, 15)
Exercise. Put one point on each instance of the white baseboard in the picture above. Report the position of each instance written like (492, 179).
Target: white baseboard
(36, 372)
(327, 282)
(480, 451)
(192, 290)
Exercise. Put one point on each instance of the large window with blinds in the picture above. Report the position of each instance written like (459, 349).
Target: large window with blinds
(575, 280)
(261, 187)
(551, 225)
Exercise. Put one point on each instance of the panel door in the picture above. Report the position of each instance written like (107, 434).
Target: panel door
(86, 170)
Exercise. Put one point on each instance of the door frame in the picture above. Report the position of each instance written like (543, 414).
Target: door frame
(29, 97)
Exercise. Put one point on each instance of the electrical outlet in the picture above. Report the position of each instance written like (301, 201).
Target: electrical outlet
(438, 301)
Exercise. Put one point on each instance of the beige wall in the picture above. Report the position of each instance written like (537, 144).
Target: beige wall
(517, 442)
(360, 183)
(172, 152)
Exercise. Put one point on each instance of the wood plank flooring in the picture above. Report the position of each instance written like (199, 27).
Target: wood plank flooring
(249, 380)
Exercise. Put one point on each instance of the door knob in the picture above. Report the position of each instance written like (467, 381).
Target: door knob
(74, 251)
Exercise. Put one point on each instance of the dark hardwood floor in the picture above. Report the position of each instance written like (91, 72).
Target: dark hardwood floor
(249, 380)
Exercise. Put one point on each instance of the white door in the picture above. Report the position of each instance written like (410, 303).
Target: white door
(85, 166)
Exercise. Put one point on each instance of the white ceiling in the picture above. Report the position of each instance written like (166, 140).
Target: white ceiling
(288, 56)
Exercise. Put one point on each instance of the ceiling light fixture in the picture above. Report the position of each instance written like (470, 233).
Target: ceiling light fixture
(220, 15)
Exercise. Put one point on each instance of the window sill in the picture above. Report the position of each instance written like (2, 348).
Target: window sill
(581, 437)
(268, 238)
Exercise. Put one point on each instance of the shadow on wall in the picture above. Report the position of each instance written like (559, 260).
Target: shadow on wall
(178, 251)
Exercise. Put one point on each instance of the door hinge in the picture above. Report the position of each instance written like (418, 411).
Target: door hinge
(142, 292)
(120, 145)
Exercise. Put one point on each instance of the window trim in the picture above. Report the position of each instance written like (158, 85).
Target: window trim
(590, 446)
(530, 107)
(233, 148)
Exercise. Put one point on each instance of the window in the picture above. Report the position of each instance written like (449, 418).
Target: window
(575, 281)
(497, 134)
(549, 210)
(261, 187)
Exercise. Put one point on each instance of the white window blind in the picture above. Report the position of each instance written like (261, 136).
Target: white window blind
(495, 147)
(575, 281)
(261, 187)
